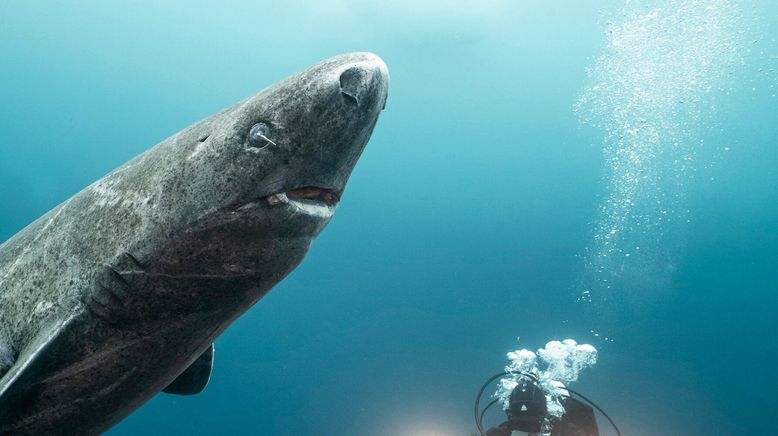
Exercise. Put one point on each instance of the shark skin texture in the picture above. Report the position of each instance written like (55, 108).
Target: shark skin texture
(109, 297)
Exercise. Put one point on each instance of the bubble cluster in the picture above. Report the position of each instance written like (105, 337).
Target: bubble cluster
(558, 364)
(651, 92)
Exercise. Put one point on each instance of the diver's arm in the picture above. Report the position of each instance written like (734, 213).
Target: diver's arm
(578, 420)
(501, 430)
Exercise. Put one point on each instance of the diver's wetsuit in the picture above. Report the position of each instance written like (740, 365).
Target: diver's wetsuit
(578, 420)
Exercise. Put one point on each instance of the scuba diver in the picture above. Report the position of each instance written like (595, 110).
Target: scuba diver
(527, 411)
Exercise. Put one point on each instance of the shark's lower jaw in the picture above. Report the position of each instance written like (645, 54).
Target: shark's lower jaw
(309, 200)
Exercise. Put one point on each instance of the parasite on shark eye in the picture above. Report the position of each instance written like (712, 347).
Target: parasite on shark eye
(259, 135)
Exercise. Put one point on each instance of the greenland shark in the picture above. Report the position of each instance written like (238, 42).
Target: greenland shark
(119, 292)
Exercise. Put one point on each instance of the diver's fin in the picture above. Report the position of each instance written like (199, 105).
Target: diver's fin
(195, 378)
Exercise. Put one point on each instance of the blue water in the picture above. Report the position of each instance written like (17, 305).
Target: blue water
(475, 215)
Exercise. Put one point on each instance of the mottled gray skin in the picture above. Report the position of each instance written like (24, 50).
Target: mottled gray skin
(110, 296)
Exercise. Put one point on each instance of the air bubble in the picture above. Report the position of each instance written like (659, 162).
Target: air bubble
(651, 91)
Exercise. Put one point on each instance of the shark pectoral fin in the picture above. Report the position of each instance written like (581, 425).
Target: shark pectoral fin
(194, 379)
(7, 358)
(18, 386)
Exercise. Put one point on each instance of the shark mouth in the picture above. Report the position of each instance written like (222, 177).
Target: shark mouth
(309, 200)
(312, 193)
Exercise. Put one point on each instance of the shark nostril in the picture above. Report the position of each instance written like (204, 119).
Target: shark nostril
(350, 97)
(353, 83)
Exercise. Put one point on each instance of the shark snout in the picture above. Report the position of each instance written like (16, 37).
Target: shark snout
(365, 82)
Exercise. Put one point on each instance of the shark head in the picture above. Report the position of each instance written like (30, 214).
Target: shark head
(265, 176)
(292, 147)
(308, 131)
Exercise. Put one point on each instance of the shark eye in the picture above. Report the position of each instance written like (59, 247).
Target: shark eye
(259, 135)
